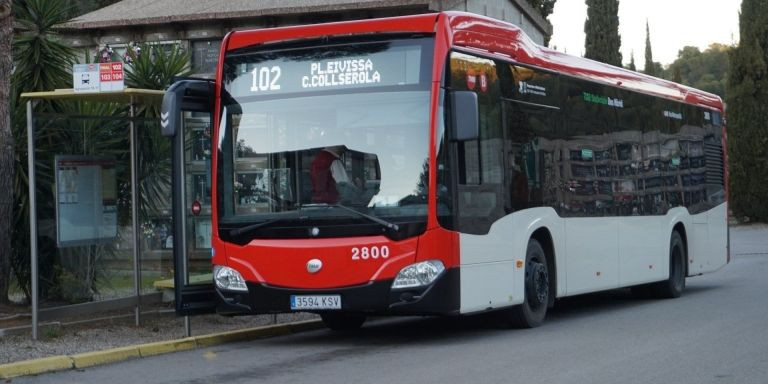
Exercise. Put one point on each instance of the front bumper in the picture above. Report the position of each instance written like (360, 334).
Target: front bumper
(375, 298)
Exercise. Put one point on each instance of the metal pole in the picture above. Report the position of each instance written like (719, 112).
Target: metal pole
(187, 326)
(181, 180)
(32, 214)
(135, 215)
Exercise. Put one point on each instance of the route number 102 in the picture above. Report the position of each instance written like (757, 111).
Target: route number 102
(265, 79)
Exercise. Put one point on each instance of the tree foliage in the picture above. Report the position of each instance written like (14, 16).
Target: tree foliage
(602, 41)
(703, 70)
(650, 67)
(747, 96)
(632, 66)
(545, 7)
(42, 63)
(36, 43)
(154, 67)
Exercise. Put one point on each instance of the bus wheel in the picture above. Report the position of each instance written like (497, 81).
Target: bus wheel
(674, 285)
(534, 308)
(343, 321)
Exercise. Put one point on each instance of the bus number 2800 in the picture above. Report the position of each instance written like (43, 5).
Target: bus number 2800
(365, 253)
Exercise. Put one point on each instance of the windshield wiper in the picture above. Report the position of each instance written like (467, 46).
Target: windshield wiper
(253, 227)
(375, 219)
(250, 228)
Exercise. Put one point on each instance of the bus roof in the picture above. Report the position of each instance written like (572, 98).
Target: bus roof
(492, 36)
(503, 38)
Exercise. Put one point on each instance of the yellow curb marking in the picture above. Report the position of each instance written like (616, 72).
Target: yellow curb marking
(33, 367)
(161, 347)
(89, 359)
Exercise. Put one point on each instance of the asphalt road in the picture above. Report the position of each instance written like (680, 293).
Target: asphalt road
(717, 332)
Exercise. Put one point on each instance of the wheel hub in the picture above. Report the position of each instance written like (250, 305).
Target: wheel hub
(538, 284)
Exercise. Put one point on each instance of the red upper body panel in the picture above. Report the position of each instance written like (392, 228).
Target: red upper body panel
(499, 37)
(491, 36)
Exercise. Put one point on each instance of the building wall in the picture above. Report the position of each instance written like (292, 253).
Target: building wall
(503, 10)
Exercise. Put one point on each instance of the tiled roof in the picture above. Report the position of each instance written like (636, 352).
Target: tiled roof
(154, 12)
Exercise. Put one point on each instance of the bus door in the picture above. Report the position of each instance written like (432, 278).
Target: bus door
(186, 118)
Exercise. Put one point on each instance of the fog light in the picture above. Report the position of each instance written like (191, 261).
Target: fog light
(228, 279)
(419, 274)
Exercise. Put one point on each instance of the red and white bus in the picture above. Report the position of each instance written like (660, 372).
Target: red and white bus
(446, 164)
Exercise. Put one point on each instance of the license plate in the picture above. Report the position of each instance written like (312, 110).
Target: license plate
(299, 302)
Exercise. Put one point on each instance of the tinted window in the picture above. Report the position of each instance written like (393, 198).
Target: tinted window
(583, 148)
(478, 163)
(592, 155)
(532, 156)
(532, 86)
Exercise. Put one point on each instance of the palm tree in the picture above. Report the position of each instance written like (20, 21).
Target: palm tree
(154, 68)
(42, 62)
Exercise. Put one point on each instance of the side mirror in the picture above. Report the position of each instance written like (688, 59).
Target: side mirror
(465, 120)
(189, 95)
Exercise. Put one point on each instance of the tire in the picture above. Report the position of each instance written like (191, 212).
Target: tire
(343, 321)
(675, 284)
(532, 312)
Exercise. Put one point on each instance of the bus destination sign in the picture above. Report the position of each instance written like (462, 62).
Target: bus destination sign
(341, 73)
(395, 67)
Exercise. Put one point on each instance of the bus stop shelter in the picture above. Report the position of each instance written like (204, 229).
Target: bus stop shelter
(73, 168)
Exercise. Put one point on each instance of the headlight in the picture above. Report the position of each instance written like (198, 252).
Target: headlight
(419, 274)
(228, 279)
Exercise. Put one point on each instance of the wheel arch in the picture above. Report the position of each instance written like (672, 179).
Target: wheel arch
(544, 237)
(680, 228)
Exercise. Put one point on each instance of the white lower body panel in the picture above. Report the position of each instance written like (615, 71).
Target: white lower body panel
(591, 254)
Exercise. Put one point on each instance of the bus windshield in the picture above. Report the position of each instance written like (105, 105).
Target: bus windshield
(341, 125)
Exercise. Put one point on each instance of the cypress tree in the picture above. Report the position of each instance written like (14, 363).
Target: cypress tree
(747, 96)
(650, 67)
(602, 42)
(632, 66)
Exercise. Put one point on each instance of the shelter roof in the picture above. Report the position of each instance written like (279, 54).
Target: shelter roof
(146, 96)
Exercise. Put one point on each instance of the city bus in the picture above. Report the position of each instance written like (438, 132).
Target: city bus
(445, 164)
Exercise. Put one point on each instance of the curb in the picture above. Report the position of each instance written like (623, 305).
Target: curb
(33, 367)
(107, 356)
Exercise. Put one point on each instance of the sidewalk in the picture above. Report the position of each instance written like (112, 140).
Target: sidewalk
(70, 338)
(111, 355)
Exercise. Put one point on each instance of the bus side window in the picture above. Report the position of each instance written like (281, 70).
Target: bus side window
(479, 187)
(531, 133)
(532, 177)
